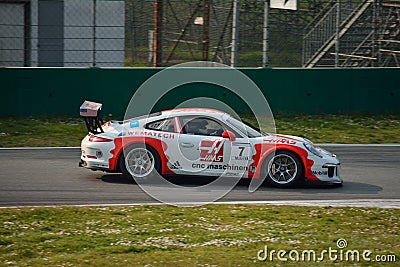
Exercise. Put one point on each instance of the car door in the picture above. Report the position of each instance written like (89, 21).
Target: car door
(202, 149)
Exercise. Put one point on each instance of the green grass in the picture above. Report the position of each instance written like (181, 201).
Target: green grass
(245, 59)
(41, 131)
(213, 235)
(62, 131)
(346, 129)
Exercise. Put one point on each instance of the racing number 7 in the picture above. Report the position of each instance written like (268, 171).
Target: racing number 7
(241, 148)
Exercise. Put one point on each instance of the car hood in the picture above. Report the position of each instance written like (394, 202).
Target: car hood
(284, 139)
(292, 137)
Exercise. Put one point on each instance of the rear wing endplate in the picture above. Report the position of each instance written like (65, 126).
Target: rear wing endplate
(90, 111)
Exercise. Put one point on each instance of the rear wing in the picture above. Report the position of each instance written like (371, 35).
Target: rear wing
(90, 111)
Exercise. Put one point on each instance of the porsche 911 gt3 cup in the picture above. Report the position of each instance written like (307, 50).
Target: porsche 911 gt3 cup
(205, 142)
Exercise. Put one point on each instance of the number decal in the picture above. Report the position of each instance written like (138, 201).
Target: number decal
(241, 148)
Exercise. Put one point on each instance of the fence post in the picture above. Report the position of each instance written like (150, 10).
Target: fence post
(235, 33)
(94, 33)
(157, 49)
(337, 34)
(265, 35)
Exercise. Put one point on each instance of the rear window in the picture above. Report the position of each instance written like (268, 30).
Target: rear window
(164, 125)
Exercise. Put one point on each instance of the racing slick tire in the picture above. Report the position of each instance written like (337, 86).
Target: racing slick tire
(284, 169)
(139, 161)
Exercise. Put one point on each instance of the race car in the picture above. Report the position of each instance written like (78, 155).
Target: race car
(205, 142)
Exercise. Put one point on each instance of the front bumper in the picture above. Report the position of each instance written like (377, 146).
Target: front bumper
(326, 170)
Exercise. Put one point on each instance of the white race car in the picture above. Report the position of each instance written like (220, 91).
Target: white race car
(206, 142)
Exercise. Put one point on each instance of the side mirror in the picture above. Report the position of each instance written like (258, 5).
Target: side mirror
(228, 134)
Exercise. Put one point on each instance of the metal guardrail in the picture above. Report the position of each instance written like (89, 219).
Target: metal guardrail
(321, 34)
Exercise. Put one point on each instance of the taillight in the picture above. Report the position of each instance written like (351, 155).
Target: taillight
(94, 138)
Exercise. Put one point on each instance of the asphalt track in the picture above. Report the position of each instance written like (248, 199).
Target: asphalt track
(47, 177)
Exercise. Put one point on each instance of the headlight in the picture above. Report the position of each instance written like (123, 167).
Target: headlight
(316, 150)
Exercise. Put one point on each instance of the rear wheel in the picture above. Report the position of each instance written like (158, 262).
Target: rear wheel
(284, 169)
(139, 161)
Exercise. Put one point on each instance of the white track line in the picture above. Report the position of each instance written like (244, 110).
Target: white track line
(359, 145)
(361, 203)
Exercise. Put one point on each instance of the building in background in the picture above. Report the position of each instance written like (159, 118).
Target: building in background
(240, 33)
(62, 33)
(14, 49)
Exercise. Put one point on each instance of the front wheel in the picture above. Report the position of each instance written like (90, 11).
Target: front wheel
(284, 169)
(139, 161)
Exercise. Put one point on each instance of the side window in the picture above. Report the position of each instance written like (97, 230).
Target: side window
(165, 125)
(201, 126)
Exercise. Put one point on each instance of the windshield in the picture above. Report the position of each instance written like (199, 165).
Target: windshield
(245, 128)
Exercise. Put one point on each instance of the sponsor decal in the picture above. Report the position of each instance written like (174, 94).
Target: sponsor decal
(230, 174)
(280, 141)
(134, 124)
(240, 157)
(153, 134)
(229, 167)
(319, 172)
(253, 168)
(175, 166)
(212, 150)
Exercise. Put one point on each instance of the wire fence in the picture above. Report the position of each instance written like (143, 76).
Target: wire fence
(202, 30)
(142, 33)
